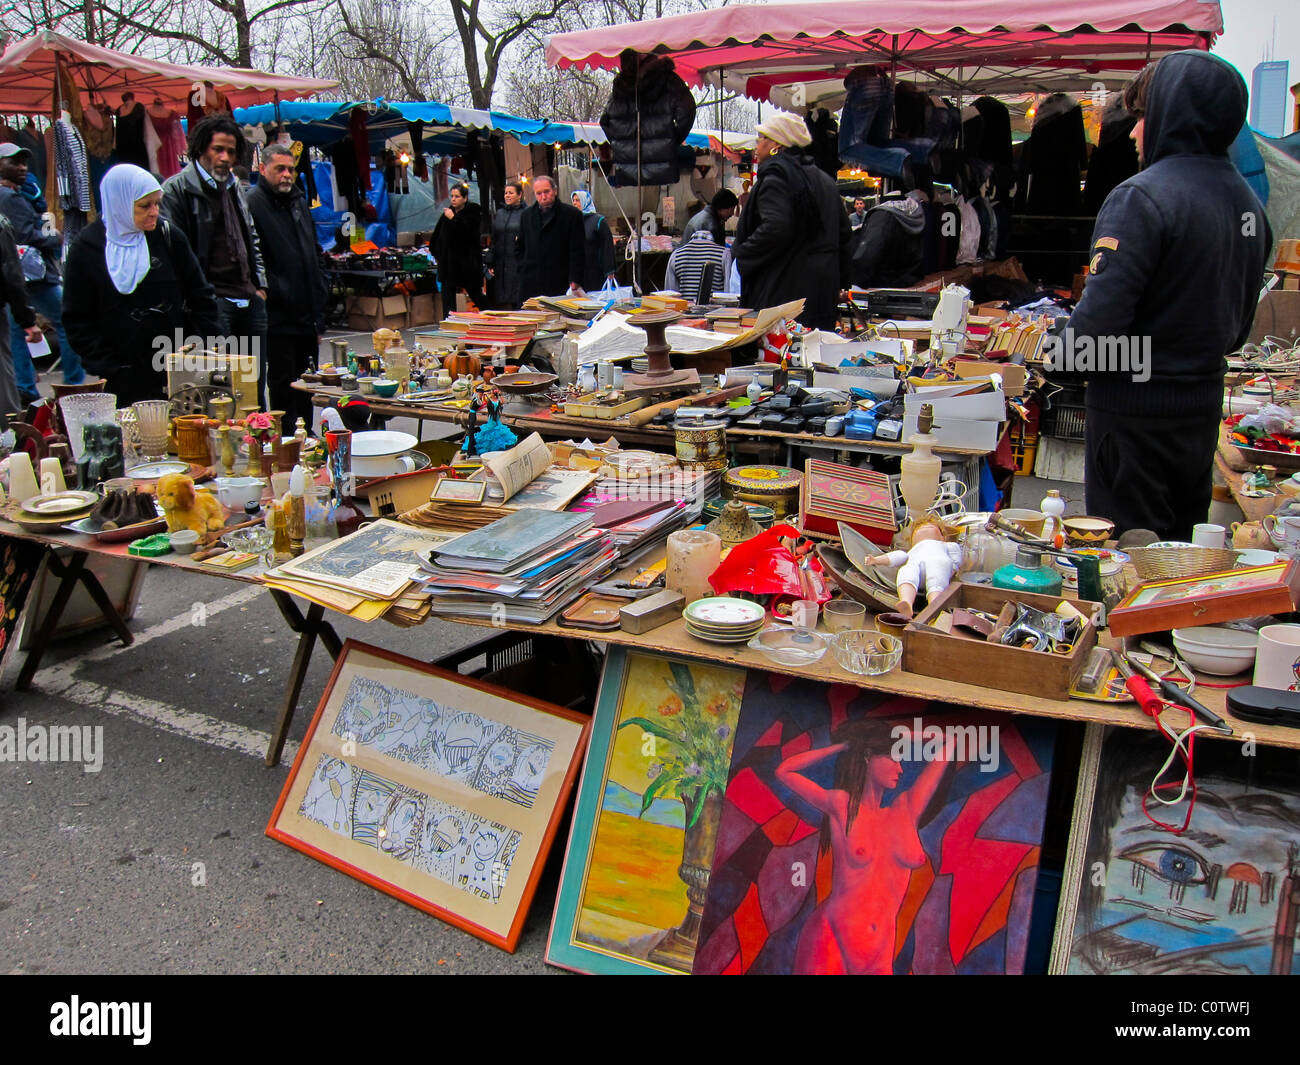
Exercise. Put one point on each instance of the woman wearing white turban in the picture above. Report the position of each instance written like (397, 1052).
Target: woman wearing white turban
(130, 285)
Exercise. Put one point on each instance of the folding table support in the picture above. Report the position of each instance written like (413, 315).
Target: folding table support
(308, 627)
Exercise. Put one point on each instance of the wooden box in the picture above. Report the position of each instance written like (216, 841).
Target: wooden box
(932, 653)
(1155, 606)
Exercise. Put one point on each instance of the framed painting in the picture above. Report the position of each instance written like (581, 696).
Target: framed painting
(868, 833)
(437, 789)
(645, 822)
(1216, 899)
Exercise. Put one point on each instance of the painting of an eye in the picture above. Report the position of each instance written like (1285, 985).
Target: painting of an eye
(1172, 864)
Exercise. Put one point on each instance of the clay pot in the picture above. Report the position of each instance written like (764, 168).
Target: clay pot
(460, 365)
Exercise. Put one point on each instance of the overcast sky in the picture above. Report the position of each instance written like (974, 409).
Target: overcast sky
(1248, 36)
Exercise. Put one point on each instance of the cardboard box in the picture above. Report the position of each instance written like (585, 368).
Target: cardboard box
(1013, 376)
(985, 406)
(405, 238)
(933, 653)
(1277, 315)
(425, 309)
(368, 313)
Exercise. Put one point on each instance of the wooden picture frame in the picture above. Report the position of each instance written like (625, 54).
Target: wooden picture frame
(433, 787)
(647, 808)
(1208, 599)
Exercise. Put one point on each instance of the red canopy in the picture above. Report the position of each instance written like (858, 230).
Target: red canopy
(979, 46)
(27, 76)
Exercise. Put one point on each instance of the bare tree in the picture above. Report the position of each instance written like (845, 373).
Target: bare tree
(393, 50)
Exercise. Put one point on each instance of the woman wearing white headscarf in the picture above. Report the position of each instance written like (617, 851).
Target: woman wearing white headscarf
(599, 247)
(130, 285)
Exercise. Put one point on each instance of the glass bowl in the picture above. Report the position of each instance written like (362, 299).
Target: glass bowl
(257, 540)
(790, 646)
(866, 652)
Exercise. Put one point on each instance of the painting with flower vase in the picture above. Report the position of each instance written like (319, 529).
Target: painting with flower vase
(644, 828)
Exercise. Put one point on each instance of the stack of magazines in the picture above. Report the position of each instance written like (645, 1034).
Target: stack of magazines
(525, 567)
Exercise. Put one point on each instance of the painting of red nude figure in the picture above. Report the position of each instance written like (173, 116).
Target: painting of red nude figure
(869, 834)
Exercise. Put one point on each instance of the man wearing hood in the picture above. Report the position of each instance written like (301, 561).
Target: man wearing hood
(793, 239)
(889, 246)
(295, 285)
(1179, 253)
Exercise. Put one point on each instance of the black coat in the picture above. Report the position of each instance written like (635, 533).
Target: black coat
(505, 253)
(118, 334)
(187, 205)
(455, 245)
(793, 240)
(551, 252)
(13, 284)
(1179, 253)
(648, 85)
(296, 289)
(598, 253)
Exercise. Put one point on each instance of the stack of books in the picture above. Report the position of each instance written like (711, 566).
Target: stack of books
(494, 328)
(525, 567)
(638, 527)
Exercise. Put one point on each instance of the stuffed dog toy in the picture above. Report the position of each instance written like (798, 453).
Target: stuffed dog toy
(187, 509)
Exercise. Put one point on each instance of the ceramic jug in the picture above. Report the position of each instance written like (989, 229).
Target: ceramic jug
(1251, 535)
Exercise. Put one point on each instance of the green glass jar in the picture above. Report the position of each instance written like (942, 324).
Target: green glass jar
(1029, 573)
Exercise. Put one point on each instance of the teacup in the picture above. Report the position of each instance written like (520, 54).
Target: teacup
(1284, 532)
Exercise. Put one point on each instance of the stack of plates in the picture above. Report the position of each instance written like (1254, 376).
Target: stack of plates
(721, 619)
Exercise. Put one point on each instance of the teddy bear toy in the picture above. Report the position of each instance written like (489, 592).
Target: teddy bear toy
(187, 509)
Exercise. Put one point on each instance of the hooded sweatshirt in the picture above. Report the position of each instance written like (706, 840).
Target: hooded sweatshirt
(889, 246)
(1179, 249)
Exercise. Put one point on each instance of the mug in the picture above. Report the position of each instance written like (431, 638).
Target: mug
(1277, 662)
(1208, 535)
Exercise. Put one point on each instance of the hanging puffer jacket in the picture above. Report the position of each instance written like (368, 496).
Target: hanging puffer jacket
(647, 84)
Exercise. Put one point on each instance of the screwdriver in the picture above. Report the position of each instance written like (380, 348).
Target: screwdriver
(1138, 687)
(1177, 695)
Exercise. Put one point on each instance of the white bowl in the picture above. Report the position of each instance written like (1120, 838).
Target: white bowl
(235, 492)
(1216, 649)
(376, 453)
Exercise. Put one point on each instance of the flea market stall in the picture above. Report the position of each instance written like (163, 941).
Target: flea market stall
(818, 699)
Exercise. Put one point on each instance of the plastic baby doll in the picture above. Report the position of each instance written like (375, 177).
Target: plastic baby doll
(930, 559)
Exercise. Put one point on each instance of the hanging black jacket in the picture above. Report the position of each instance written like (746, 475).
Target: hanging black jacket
(505, 253)
(121, 335)
(647, 85)
(455, 246)
(1179, 249)
(793, 240)
(551, 250)
(296, 289)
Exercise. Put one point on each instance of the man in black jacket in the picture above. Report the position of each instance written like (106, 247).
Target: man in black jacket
(1179, 253)
(888, 249)
(206, 203)
(552, 245)
(13, 293)
(296, 288)
(794, 238)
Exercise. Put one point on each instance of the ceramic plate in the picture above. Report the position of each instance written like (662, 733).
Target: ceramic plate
(378, 443)
(151, 471)
(60, 503)
(707, 637)
(725, 611)
(857, 549)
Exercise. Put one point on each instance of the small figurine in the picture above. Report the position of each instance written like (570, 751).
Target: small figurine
(931, 558)
(102, 458)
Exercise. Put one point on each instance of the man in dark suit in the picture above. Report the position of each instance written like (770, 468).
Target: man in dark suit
(552, 244)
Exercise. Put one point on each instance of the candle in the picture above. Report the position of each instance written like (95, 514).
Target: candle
(693, 555)
(22, 478)
(52, 476)
(297, 516)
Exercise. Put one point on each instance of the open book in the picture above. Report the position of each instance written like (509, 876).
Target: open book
(522, 477)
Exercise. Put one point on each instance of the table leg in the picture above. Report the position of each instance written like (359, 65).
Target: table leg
(308, 628)
(68, 576)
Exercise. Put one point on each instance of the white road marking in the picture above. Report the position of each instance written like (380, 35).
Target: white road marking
(166, 628)
(58, 681)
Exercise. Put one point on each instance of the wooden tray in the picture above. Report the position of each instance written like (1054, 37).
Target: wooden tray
(596, 611)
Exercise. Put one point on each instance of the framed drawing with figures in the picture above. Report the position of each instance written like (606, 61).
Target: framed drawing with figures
(438, 789)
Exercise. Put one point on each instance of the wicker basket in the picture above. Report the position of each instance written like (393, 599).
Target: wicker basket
(1171, 563)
